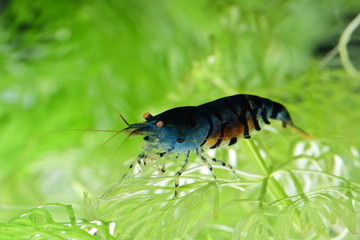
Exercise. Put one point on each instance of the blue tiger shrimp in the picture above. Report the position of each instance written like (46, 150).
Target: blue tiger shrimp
(191, 129)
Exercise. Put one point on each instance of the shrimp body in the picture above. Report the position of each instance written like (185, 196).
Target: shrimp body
(213, 124)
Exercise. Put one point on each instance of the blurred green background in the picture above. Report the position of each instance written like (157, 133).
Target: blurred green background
(76, 64)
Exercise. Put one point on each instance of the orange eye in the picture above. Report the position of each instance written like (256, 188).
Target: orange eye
(159, 124)
(147, 115)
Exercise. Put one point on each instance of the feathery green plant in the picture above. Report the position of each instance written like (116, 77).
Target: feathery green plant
(75, 64)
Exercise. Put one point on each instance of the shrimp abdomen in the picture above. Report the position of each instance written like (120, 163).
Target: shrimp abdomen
(235, 116)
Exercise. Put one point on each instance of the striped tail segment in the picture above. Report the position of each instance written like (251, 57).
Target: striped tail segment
(266, 108)
(239, 114)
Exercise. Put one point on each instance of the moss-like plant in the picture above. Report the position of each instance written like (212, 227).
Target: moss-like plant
(74, 64)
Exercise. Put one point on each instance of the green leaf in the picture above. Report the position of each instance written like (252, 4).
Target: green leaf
(285, 222)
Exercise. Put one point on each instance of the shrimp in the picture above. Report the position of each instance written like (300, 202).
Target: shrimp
(191, 129)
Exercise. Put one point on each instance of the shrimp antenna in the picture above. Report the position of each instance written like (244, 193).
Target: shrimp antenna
(121, 144)
(117, 133)
(121, 116)
(81, 130)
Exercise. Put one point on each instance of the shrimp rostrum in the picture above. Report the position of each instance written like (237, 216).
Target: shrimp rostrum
(183, 130)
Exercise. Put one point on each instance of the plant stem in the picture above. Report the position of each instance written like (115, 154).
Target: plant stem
(272, 185)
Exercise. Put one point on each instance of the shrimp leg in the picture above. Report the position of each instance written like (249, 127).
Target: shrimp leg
(178, 174)
(141, 160)
(206, 162)
(137, 161)
(224, 164)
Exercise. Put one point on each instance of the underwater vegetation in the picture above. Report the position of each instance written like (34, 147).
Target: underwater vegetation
(76, 64)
